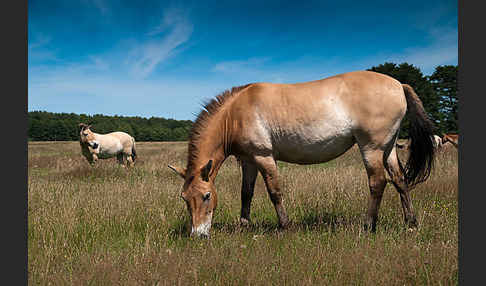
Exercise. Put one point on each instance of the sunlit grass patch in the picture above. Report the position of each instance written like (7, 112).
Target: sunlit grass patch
(108, 225)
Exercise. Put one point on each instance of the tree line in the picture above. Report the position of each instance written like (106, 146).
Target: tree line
(48, 126)
(438, 93)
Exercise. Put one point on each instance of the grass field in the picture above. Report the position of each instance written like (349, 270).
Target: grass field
(106, 225)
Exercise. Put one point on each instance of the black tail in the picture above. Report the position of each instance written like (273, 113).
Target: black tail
(421, 157)
(134, 152)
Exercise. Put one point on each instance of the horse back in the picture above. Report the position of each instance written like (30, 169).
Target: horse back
(115, 141)
(353, 99)
(319, 116)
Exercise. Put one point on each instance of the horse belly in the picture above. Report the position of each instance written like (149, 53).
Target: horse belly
(109, 149)
(313, 144)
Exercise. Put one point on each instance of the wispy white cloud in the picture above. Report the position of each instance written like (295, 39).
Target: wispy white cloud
(442, 49)
(172, 17)
(102, 6)
(112, 86)
(99, 63)
(117, 81)
(163, 40)
(248, 65)
(38, 48)
(440, 30)
(68, 91)
(39, 41)
(430, 57)
(265, 69)
(42, 55)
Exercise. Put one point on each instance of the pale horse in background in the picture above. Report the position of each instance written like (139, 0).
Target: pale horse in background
(96, 146)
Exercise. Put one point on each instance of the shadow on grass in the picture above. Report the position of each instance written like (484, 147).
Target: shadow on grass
(326, 221)
(179, 229)
(310, 222)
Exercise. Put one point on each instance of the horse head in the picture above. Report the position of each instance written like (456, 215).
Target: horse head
(86, 136)
(199, 194)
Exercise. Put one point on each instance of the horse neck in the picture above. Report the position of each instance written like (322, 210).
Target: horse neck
(212, 145)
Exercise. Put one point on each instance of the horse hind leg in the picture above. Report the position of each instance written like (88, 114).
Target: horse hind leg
(130, 161)
(373, 161)
(395, 170)
(249, 176)
(129, 155)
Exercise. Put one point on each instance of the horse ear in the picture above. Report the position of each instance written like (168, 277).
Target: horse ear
(206, 170)
(444, 138)
(179, 171)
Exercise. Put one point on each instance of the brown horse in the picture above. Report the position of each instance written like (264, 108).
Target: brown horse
(96, 146)
(306, 123)
(453, 138)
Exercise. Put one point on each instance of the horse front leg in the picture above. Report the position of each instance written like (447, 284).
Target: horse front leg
(94, 159)
(268, 169)
(130, 161)
(250, 173)
(121, 159)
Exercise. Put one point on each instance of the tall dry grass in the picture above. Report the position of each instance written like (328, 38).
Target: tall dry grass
(107, 225)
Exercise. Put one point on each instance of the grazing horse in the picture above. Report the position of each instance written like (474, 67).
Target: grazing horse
(306, 123)
(453, 138)
(96, 146)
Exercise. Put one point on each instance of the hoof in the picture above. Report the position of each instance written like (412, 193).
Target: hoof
(283, 225)
(369, 227)
(412, 222)
(244, 222)
(370, 224)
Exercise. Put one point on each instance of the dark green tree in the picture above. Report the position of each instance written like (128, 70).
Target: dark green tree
(47, 126)
(179, 134)
(444, 82)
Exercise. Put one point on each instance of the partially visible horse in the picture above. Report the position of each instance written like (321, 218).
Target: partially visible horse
(451, 137)
(437, 141)
(306, 123)
(96, 146)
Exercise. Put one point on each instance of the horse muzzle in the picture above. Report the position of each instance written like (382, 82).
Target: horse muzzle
(202, 230)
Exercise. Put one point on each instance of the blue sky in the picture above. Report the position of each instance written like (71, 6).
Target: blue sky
(165, 58)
